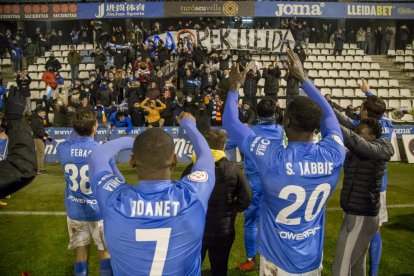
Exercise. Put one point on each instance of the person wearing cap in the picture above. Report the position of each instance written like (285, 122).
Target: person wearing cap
(246, 114)
(53, 63)
(40, 136)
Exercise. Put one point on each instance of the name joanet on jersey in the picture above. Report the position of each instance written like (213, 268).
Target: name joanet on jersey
(310, 168)
(154, 209)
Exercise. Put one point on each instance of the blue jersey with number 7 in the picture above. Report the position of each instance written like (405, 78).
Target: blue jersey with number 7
(80, 201)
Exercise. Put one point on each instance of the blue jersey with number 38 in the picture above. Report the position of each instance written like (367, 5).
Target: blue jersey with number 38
(80, 202)
(296, 183)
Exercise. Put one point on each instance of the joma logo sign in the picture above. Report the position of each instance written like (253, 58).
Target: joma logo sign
(294, 9)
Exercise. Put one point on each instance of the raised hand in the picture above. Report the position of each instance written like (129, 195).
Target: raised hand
(295, 66)
(187, 115)
(236, 78)
(15, 105)
(364, 86)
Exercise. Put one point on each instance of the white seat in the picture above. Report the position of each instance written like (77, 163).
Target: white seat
(359, 52)
(6, 61)
(364, 74)
(344, 74)
(340, 58)
(319, 82)
(65, 53)
(327, 65)
(375, 66)
(308, 65)
(55, 47)
(351, 52)
(345, 102)
(261, 82)
(65, 75)
(409, 67)
(10, 83)
(80, 47)
(34, 95)
(33, 76)
(349, 92)
(84, 75)
(356, 66)
(325, 52)
(321, 58)
(88, 46)
(394, 83)
(91, 66)
(357, 102)
(313, 73)
(337, 66)
(41, 60)
(353, 46)
(325, 91)
(330, 83)
(312, 45)
(394, 103)
(382, 83)
(382, 92)
(241, 92)
(373, 83)
(333, 74)
(407, 118)
(329, 45)
(393, 92)
(32, 68)
(354, 74)
(282, 103)
(351, 83)
(408, 52)
(64, 47)
(320, 45)
(316, 52)
(405, 92)
(406, 103)
(340, 83)
(391, 53)
(330, 58)
(337, 92)
(384, 74)
(82, 67)
(283, 83)
(323, 74)
(367, 59)
(408, 59)
(374, 74)
(399, 59)
(317, 65)
(312, 58)
(346, 66)
(349, 58)
(34, 85)
(57, 53)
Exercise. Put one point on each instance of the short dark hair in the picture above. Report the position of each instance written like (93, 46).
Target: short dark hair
(375, 107)
(216, 138)
(153, 148)
(374, 126)
(266, 107)
(84, 121)
(304, 114)
(120, 114)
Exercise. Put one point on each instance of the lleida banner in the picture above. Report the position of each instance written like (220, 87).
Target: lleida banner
(335, 10)
(120, 10)
(38, 12)
(183, 147)
(273, 40)
(408, 141)
(208, 8)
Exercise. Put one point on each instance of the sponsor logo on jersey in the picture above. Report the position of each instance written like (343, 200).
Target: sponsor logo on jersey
(299, 236)
(198, 176)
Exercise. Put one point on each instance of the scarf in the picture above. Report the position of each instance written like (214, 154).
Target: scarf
(217, 155)
(216, 114)
(266, 120)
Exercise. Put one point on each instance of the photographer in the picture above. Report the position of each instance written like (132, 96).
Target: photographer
(40, 136)
(19, 168)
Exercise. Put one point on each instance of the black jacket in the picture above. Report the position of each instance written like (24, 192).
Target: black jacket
(271, 86)
(231, 194)
(38, 127)
(364, 168)
(250, 85)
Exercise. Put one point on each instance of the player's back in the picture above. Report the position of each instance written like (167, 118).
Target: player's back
(296, 183)
(80, 202)
(155, 228)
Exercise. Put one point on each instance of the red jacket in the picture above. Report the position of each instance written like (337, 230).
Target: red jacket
(49, 78)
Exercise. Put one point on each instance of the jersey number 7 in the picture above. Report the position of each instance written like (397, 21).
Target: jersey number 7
(162, 238)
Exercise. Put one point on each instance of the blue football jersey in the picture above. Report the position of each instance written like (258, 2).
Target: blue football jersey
(155, 228)
(3, 148)
(80, 201)
(296, 183)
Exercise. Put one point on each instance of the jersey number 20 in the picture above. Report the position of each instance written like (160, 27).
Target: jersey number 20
(300, 194)
(72, 171)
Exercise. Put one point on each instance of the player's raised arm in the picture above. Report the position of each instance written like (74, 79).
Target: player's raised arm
(329, 123)
(205, 160)
(231, 123)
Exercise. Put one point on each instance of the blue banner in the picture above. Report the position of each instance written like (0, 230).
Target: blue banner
(335, 10)
(183, 147)
(120, 10)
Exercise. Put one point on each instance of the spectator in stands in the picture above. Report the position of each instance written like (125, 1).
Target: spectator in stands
(40, 42)
(60, 111)
(4, 45)
(339, 40)
(104, 94)
(307, 34)
(271, 76)
(292, 86)
(250, 86)
(246, 113)
(49, 77)
(299, 34)
(23, 81)
(143, 76)
(119, 57)
(378, 40)
(217, 111)
(351, 37)
(208, 79)
(386, 40)
(29, 51)
(177, 108)
(74, 59)
(324, 34)
(137, 115)
(16, 56)
(53, 63)
(369, 41)
(99, 60)
(231, 194)
(40, 136)
(224, 84)
(75, 36)
(154, 118)
(121, 119)
(314, 35)
(328, 98)
(403, 37)
(360, 38)
(190, 82)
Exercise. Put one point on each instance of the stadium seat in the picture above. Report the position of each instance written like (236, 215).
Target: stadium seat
(82, 67)
(409, 67)
(354, 74)
(408, 59)
(359, 52)
(340, 58)
(349, 92)
(57, 54)
(344, 74)
(394, 104)
(84, 75)
(10, 83)
(356, 66)
(325, 91)
(282, 103)
(313, 74)
(312, 45)
(373, 83)
(330, 58)
(317, 65)
(364, 74)
(261, 82)
(375, 66)
(330, 83)
(351, 83)
(367, 59)
(405, 92)
(407, 118)
(55, 47)
(333, 74)
(320, 45)
(41, 60)
(349, 59)
(345, 102)
(406, 103)
(33, 76)
(382, 83)
(325, 52)
(323, 74)
(399, 59)
(346, 66)
(316, 52)
(80, 47)
(384, 74)
(65, 75)
(327, 65)
(319, 83)
(336, 66)
(394, 83)
(88, 46)
(337, 92)
(32, 68)
(6, 61)
(64, 47)
(374, 74)
(393, 93)
(321, 58)
(351, 52)
(312, 58)
(357, 102)
(340, 83)
(282, 92)
(391, 53)
(329, 45)
(382, 92)
(65, 53)
(241, 92)
(91, 66)
(308, 65)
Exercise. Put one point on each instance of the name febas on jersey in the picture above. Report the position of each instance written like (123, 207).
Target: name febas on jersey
(79, 200)
(297, 182)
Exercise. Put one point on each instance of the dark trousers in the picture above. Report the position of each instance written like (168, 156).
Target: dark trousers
(218, 253)
(337, 51)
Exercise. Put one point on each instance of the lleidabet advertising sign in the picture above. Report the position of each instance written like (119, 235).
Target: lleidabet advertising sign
(335, 10)
(272, 40)
(120, 10)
